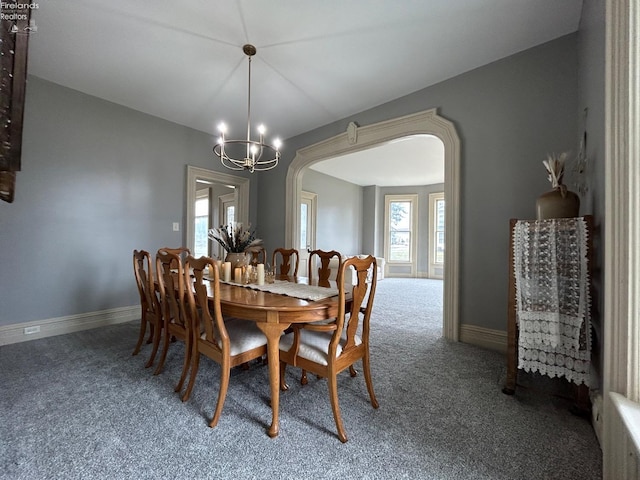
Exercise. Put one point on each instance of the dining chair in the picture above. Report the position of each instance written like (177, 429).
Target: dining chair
(150, 306)
(286, 255)
(258, 256)
(182, 253)
(322, 271)
(229, 342)
(328, 349)
(171, 286)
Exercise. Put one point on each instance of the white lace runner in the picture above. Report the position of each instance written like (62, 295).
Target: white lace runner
(291, 289)
(552, 298)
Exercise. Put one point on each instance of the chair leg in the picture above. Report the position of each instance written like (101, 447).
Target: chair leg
(156, 343)
(195, 364)
(303, 377)
(185, 363)
(283, 385)
(222, 394)
(152, 329)
(143, 328)
(367, 378)
(352, 371)
(165, 349)
(333, 395)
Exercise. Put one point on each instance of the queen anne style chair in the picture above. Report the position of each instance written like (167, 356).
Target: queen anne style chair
(228, 342)
(181, 252)
(150, 306)
(176, 324)
(258, 255)
(322, 271)
(287, 255)
(328, 349)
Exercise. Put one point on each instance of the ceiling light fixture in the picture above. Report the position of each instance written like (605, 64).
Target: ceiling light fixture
(253, 149)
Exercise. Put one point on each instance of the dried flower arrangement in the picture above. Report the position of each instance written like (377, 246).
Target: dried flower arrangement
(234, 238)
(555, 168)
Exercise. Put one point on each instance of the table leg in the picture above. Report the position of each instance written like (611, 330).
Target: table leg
(273, 331)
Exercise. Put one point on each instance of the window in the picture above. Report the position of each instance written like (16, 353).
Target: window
(400, 229)
(436, 234)
(201, 226)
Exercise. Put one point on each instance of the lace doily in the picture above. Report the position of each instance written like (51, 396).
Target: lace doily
(552, 297)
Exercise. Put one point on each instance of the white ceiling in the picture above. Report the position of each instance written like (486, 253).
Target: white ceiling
(316, 62)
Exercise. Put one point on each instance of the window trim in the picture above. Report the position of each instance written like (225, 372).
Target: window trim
(413, 252)
(433, 265)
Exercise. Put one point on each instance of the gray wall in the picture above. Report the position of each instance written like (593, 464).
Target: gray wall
(339, 222)
(509, 115)
(98, 180)
(591, 94)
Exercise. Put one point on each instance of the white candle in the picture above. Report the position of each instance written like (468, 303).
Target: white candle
(261, 274)
(219, 267)
(237, 275)
(227, 271)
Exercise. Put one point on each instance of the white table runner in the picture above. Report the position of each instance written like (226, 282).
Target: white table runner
(297, 290)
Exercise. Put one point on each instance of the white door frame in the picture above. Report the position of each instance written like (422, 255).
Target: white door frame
(241, 184)
(356, 139)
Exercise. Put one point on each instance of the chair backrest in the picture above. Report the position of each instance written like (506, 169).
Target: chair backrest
(258, 256)
(323, 271)
(203, 312)
(356, 319)
(181, 252)
(144, 280)
(288, 256)
(171, 286)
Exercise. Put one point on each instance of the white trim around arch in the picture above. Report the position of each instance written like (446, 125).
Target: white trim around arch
(355, 139)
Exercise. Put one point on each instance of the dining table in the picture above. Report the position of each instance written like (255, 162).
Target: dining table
(273, 314)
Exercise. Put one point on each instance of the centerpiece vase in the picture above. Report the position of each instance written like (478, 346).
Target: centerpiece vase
(237, 259)
(557, 203)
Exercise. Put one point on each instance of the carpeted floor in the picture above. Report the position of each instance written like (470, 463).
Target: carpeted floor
(79, 406)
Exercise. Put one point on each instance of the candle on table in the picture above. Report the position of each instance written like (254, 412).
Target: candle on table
(227, 271)
(260, 269)
(237, 275)
(219, 267)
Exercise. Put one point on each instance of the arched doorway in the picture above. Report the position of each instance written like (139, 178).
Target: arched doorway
(360, 138)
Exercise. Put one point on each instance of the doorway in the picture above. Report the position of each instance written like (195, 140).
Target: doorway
(361, 138)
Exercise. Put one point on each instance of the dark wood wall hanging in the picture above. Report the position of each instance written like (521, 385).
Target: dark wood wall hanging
(16, 29)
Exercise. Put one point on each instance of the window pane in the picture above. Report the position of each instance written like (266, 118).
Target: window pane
(303, 225)
(400, 215)
(439, 233)
(440, 247)
(231, 214)
(399, 247)
(440, 215)
(201, 227)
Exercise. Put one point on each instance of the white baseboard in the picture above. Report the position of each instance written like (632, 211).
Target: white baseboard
(484, 337)
(72, 323)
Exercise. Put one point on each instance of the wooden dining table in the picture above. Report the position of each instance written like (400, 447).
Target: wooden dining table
(273, 314)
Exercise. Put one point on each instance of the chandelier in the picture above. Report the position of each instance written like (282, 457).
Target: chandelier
(253, 150)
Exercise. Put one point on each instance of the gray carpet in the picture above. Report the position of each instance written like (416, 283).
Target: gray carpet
(79, 406)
